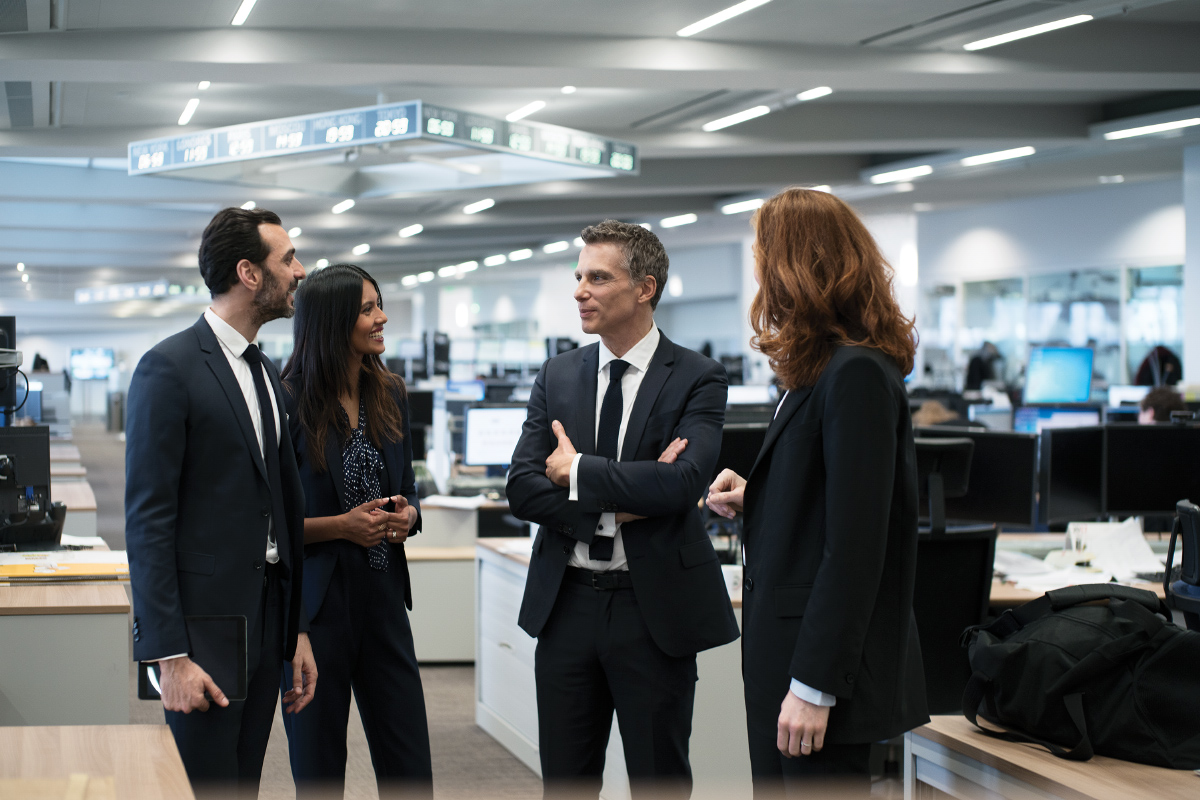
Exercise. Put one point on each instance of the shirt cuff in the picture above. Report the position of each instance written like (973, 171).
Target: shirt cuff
(574, 495)
(166, 658)
(608, 525)
(811, 695)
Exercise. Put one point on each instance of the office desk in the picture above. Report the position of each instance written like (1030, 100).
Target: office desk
(950, 758)
(445, 525)
(443, 589)
(1006, 595)
(506, 697)
(62, 471)
(131, 762)
(65, 655)
(64, 452)
(80, 500)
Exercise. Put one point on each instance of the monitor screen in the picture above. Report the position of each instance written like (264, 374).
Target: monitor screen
(1029, 419)
(91, 363)
(410, 348)
(466, 390)
(1126, 395)
(420, 407)
(490, 434)
(1072, 474)
(1059, 375)
(1149, 468)
(1002, 485)
(740, 444)
(752, 395)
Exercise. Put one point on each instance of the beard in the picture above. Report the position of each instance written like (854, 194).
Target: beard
(271, 301)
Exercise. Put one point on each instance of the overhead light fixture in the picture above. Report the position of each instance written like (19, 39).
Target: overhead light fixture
(1112, 178)
(675, 222)
(901, 174)
(409, 281)
(343, 206)
(743, 205)
(1000, 155)
(495, 261)
(294, 232)
(568, 90)
(20, 266)
(556, 247)
(675, 286)
(646, 225)
(189, 110)
(734, 119)
(479, 205)
(527, 109)
(578, 241)
(243, 11)
(202, 85)
(424, 277)
(411, 230)
(468, 266)
(322, 263)
(721, 16)
(821, 187)
(814, 93)
(1145, 130)
(249, 205)
(520, 255)
(25, 278)
(1025, 33)
(448, 272)
(361, 249)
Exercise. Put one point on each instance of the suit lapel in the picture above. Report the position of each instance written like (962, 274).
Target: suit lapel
(585, 415)
(233, 390)
(656, 375)
(795, 399)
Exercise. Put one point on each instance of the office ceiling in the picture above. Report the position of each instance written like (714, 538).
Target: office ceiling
(83, 78)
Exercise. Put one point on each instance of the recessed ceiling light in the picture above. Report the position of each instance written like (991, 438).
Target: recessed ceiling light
(495, 261)
(411, 230)
(556, 247)
(1145, 130)
(25, 278)
(20, 266)
(243, 11)
(479, 205)
(343, 206)
(814, 93)
(568, 90)
(578, 241)
(646, 225)
(249, 205)
(1000, 155)
(742, 205)
(675, 286)
(424, 277)
(1024, 33)
(361, 249)
(202, 85)
(468, 266)
(322, 263)
(525, 110)
(520, 255)
(734, 119)
(901, 174)
(721, 16)
(189, 110)
(409, 280)
(294, 232)
(1112, 178)
(675, 222)
(448, 272)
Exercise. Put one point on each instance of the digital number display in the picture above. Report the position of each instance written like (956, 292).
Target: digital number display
(590, 155)
(621, 161)
(198, 153)
(555, 146)
(289, 141)
(151, 160)
(339, 133)
(439, 127)
(482, 134)
(520, 141)
(392, 127)
(241, 147)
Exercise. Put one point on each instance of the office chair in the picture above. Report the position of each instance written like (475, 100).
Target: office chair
(954, 572)
(1184, 594)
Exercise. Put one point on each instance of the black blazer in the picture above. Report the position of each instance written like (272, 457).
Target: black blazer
(324, 491)
(831, 550)
(197, 501)
(672, 564)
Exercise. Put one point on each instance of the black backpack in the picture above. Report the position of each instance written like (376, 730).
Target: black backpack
(1081, 677)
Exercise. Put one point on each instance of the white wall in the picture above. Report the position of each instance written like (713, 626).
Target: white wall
(1191, 269)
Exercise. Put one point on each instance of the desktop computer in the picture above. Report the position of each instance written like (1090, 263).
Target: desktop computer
(1003, 480)
(1150, 468)
(27, 515)
(1071, 474)
(1059, 375)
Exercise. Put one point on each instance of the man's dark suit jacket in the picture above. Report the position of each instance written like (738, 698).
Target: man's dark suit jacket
(323, 494)
(831, 550)
(197, 501)
(676, 577)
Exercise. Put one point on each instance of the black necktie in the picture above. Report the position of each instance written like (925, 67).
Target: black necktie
(270, 442)
(607, 437)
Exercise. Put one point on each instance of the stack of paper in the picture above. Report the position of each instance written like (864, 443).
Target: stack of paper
(1116, 547)
(59, 564)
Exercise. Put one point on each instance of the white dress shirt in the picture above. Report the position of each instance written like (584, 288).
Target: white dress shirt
(638, 358)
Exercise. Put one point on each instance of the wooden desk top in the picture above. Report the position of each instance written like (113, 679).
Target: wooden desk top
(64, 452)
(64, 469)
(1007, 595)
(488, 505)
(63, 598)
(413, 553)
(132, 762)
(1098, 779)
(75, 495)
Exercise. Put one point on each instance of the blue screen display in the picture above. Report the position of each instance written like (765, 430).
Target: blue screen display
(1059, 375)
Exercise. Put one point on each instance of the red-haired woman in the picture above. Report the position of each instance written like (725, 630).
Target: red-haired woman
(831, 659)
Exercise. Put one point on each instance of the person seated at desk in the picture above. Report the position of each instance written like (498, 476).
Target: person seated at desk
(1158, 404)
(933, 413)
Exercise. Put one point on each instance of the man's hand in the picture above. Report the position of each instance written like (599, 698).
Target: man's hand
(801, 727)
(558, 463)
(400, 521)
(304, 678)
(726, 494)
(183, 684)
(366, 525)
(673, 451)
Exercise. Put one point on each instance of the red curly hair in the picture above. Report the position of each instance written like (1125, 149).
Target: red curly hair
(823, 283)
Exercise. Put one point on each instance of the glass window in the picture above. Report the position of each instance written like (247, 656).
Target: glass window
(1079, 309)
(937, 325)
(994, 311)
(1153, 314)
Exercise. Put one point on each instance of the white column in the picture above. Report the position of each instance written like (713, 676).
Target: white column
(1191, 265)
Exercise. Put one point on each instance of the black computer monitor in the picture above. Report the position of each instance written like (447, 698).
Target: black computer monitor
(420, 407)
(491, 432)
(1071, 474)
(27, 475)
(1149, 468)
(417, 440)
(1003, 478)
(1035, 419)
(740, 443)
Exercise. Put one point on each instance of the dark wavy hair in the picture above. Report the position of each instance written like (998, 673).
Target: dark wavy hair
(822, 283)
(231, 236)
(318, 371)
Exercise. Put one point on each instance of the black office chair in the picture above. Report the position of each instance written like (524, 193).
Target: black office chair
(954, 572)
(1184, 594)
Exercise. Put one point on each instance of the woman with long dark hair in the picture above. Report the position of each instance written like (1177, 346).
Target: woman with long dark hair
(830, 654)
(350, 429)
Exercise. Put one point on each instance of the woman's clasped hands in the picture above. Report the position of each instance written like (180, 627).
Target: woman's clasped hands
(369, 524)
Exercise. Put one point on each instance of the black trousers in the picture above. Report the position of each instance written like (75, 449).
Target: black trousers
(595, 655)
(223, 748)
(361, 639)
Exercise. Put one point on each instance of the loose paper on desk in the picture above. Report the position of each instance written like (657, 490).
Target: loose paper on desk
(1116, 547)
(449, 501)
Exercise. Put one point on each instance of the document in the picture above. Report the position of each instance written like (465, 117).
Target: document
(1116, 547)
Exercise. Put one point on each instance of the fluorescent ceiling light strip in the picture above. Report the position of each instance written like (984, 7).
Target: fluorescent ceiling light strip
(249, 205)
(675, 222)
(520, 255)
(294, 232)
(468, 266)
(578, 241)
(1024, 33)
(1001, 155)
(721, 16)
(361, 249)
(734, 119)
(322, 263)
(409, 280)
(479, 205)
(1161, 127)
(556, 247)
(814, 93)
(243, 12)
(568, 90)
(202, 85)
(448, 271)
(425, 277)
(495, 261)
(525, 110)
(411, 230)
(343, 206)
(189, 110)
(742, 205)
(902, 174)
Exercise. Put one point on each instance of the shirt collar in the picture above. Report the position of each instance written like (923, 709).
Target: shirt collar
(233, 341)
(640, 355)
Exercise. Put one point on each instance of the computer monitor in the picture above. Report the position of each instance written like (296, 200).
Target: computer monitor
(740, 444)
(410, 348)
(27, 472)
(1126, 395)
(1071, 474)
(1035, 419)
(1003, 480)
(420, 407)
(758, 394)
(490, 434)
(417, 440)
(91, 363)
(1059, 375)
(466, 390)
(996, 419)
(32, 407)
(1149, 468)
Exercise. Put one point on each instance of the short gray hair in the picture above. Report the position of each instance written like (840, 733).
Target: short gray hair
(644, 253)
